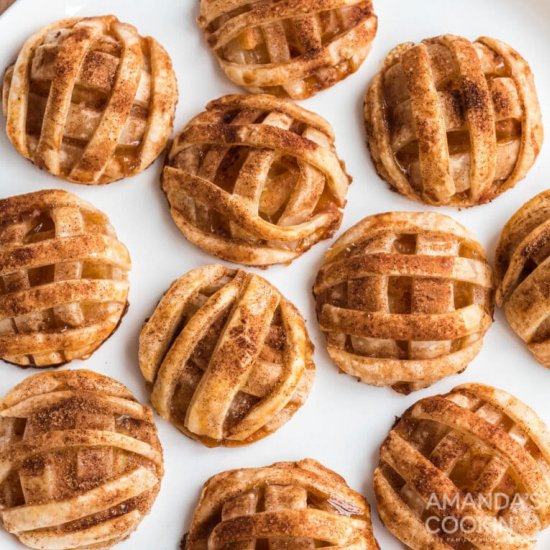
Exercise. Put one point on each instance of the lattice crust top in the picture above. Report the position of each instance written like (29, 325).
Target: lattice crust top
(404, 299)
(290, 505)
(80, 461)
(90, 100)
(523, 274)
(63, 278)
(255, 180)
(476, 456)
(289, 48)
(453, 122)
(228, 357)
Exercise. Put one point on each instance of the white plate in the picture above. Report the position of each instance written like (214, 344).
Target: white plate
(343, 422)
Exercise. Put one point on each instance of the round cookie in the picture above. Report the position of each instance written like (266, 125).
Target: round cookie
(64, 278)
(293, 49)
(404, 299)
(227, 356)
(471, 466)
(453, 122)
(255, 180)
(81, 461)
(291, 504)
(522, 275)
(90, 100)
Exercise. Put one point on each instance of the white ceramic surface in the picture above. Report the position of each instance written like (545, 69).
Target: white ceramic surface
(343, 422)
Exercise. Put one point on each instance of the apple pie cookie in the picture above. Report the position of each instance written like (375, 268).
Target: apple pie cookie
(453, 122)
(522, 268)
(90, 100)
(81, 461)
(292, 48)
(289, 505)
(255, 180)
(228, 357)
(63, 279)
(468, 470)
(404, 299)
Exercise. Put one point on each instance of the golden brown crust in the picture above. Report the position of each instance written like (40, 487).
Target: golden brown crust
(81, 462)
(255, 180)
(404, 299)
(90, 100)
(477, 458)
(63, 278)
(291, 48)
(453, 122)
(303, 506)
(523, 274)
(228, 357)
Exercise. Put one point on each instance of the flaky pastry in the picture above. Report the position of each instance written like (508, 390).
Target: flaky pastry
(468, 470)
(289, 48)
(228, 357)
(453, 122)
(522, 268)
(90, 100)
(289, 505)
(63, 278)
(80, 461)
(255, 180)
(404, 299)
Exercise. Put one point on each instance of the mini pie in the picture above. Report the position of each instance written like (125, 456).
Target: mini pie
(63, 279)
(468, 470)
(228, 357)
(522, 267)
(288, 506)
(90, 100)
(453, 122)
(404, 299)
(255, 180)
(81, 461)
(289, 48)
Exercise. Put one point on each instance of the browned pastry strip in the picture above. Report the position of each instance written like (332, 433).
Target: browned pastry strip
(470, 468)
(90, 100)
(523, 271)
(255, 180)
(63, 278)
(453, 122)
(228, 357)
(291, 48)
(404, 299)
(80, 461)
(298, 505)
